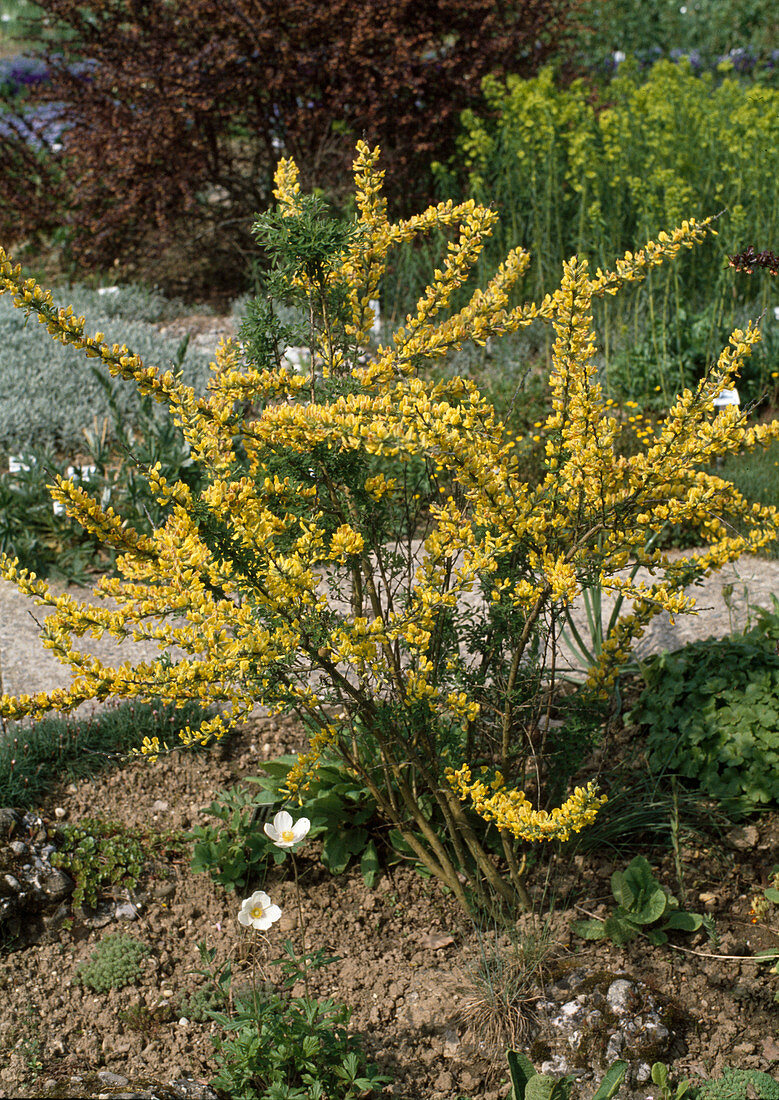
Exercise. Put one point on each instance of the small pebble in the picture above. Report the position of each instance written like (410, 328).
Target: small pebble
(59, 813)
(116, 1079)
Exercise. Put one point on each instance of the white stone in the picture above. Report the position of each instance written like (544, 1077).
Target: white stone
(619, 995)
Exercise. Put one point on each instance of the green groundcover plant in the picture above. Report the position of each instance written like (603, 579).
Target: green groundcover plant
(711, 711)
(117, 961)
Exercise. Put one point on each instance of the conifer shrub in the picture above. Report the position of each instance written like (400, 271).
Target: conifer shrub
(363, 551)
(173, 129)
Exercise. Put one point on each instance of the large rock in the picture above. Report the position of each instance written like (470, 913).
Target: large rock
(32, 892)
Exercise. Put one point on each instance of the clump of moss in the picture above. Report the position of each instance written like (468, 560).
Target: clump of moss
(114, 963)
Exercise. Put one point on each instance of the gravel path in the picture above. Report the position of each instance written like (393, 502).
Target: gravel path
(28, 667)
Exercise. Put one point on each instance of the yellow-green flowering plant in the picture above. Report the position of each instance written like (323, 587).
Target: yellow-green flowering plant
(364, 551)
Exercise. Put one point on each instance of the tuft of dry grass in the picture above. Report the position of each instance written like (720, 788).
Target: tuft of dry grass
(501, 986)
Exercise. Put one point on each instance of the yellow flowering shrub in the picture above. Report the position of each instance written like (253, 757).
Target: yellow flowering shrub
(365, 553)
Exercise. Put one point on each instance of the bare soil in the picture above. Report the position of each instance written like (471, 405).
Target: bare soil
(407, 955)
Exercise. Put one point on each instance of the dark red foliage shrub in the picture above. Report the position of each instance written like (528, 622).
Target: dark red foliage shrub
(178, 110)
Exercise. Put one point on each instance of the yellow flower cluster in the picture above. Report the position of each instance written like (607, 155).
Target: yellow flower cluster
(272, 587)
(300, 774)
(511, 811)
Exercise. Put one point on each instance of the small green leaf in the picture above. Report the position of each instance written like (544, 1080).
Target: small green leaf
(339, 847)
(652, 909)
(589, 929)
(611, 1082)
(369, 864)
(681, 921)
(521, 1069)
(659, 1074)
(620, 888)
(619, 929)
(543, 1087)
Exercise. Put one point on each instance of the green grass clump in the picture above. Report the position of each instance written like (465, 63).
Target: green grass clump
(114, 963)
(33, 758)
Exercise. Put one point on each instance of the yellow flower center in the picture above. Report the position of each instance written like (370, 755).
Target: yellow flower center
(257, 912)
(288, 835)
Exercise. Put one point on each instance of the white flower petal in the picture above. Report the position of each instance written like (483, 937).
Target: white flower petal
(283, 833)
(282, 821)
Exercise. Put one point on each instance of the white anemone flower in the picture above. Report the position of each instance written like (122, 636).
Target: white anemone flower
(258, 912)
(283, 833)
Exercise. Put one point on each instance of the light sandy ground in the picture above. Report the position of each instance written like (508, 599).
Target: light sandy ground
(28, 667)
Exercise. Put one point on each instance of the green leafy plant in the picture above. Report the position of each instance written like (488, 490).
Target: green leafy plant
(115, 962)
(704, 29)
(712, 716)
(576, 170)
(733, 1084)
(339, 807)
(298, 1049)
(660, 1077)
(235, 852)
(98, 853)
(643, 908)
(213, 993)
(739, 1084)
(280, 1046)
(528, 1084)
